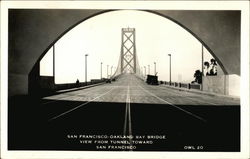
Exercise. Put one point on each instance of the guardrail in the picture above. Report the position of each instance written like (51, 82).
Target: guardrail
(46, 86)
(75, 85)
(182, 85)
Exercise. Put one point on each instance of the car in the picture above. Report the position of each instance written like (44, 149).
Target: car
(108, 81)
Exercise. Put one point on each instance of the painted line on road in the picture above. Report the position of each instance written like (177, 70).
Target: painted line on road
(80, 105)
(129, 113)
(128, 117)
(196, 116)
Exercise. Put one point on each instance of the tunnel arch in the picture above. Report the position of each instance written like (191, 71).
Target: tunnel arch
(38, 30)
(149, 11)
(69, 29)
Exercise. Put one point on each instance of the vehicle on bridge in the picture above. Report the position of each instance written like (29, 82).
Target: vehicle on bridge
(152, 80)
(108, 80)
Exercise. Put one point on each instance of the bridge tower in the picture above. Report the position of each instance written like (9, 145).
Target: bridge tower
(128, 51)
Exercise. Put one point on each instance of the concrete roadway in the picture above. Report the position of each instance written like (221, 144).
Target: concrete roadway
(129, 106)
(139, 92)
(130, 89)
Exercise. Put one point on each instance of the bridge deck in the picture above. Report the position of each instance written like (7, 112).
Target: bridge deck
(127, 106)
(140, 92)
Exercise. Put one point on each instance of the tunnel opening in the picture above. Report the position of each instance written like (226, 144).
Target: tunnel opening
(100, 110)
(47, 84)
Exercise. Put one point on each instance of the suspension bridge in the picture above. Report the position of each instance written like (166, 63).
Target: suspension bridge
(129, 107)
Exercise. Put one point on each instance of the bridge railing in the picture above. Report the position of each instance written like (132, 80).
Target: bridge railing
(75, 85)
(195, 86)
(181, 85)
(46, 86)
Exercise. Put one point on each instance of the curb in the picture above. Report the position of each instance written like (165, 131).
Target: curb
(202, 92)
(79, 88)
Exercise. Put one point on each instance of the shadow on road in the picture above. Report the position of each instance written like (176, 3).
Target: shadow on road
(29, 127)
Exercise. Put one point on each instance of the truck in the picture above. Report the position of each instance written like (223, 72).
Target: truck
(152, 80)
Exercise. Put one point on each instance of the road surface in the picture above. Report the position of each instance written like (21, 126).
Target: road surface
(140, 92)
(164, 118)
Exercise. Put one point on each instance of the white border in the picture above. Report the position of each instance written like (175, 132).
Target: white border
(166, 5)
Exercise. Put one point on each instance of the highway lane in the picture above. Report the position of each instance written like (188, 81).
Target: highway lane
(130, 89)
(140, 92)
(129, 106)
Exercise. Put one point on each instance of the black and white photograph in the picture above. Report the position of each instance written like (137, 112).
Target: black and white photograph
(125, 79)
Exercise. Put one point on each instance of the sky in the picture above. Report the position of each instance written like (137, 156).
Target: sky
(100, 38)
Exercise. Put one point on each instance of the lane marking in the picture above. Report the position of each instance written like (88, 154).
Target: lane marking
(80, 105)
(129, 113)
(196, 116)
(128, 117)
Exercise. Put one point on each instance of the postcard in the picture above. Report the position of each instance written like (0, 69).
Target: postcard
(118, 79)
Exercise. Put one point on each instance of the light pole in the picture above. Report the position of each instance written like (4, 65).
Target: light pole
(169, 69)
(54, 62)
(111, 70)
(101, 70)
(202, 63)
(155, 68)
(86, 55)
(107, 71)
(149, 69)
